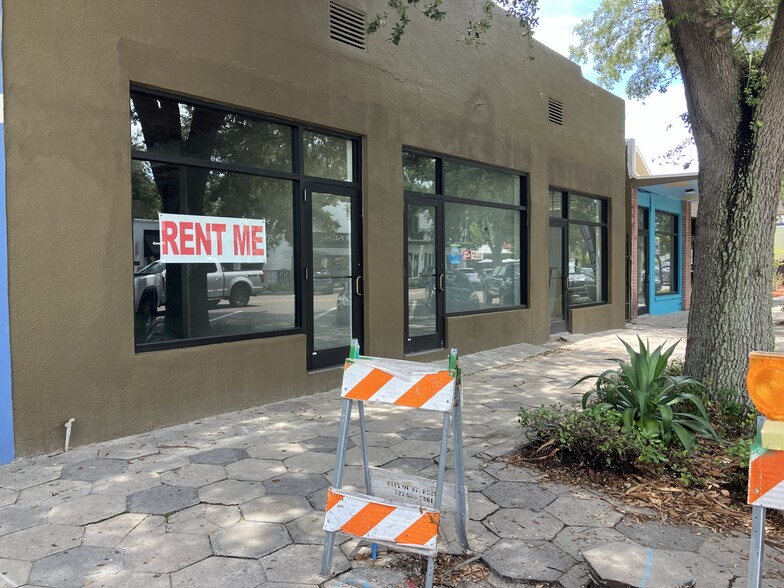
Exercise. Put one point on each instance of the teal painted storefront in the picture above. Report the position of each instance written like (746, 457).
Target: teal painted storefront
(663, 303)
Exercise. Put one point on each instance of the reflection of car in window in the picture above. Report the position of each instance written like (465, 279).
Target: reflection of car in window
(235, 282)
(504, 284)
(460, 293)
(322, 281)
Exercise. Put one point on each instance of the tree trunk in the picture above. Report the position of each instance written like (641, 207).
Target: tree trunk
(739, 141)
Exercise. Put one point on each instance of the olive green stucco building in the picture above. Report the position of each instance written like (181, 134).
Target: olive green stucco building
(419, 197)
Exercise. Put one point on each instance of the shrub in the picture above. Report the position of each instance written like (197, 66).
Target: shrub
(642, 396)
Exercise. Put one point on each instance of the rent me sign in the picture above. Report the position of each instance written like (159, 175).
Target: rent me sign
(196, 239)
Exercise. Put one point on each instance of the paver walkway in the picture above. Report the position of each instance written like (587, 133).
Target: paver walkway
(237, 499)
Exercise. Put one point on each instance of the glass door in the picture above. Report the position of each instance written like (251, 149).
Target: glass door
(333, 274)
(557, 283)
(424, 276)
(643, 280)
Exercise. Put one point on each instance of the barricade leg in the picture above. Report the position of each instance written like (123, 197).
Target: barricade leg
(757, 546)
(337, 481)
(461, 515)
(430, 569)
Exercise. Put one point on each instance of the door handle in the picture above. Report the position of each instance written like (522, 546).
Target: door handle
(440, 282)
(357, 281)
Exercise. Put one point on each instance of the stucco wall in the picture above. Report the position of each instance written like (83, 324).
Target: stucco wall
(68, 67)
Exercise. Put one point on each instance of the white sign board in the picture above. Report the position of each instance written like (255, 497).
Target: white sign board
(197, 239)
(398, 487)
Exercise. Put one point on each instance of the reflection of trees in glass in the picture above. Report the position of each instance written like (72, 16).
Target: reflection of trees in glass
(328, 157)
(146, 198)
(419, 173)
(474, 226)
(583, 208)
(478, 183)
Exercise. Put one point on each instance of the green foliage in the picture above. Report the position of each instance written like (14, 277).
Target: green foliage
(642, 396)
(592, 437)
(522, 10)
(631, 38)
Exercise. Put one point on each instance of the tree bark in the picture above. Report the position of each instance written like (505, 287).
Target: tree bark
(739, 144)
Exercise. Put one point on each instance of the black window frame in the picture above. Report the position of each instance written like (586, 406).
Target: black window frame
(565, 221)
(445, 199)
(298, 178)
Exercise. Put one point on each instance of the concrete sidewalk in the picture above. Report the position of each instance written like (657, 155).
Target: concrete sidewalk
(238, 499)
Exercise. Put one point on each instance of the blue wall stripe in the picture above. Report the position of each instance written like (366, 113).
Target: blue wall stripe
(6, 402)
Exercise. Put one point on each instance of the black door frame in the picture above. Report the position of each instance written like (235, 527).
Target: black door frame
(562, 326)
(643, 232)
(436, 340)
(334, 356)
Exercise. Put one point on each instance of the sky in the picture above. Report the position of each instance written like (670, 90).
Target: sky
(654, 123)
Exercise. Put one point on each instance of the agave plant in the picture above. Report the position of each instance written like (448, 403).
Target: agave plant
(645, 398)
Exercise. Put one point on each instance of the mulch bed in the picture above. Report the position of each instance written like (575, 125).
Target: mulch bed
(718, 504)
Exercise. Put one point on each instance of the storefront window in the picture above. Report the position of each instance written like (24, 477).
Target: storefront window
(586, 250)
(211, 166)
(481, 238)
(665, 257)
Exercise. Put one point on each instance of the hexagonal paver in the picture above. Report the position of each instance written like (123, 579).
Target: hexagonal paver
(249, 539)
(231, 492)
(127, 579)
(162, 500)
(39, 541)
(255, 470)
(377, 456)
(92, 470)
(16, 517)
(413, 448)
(54, 493)
(654, 534)
(300, 564)
(195, 474)
(590, 511)
(88, 509)
(220, 457)
(309, 463)
(410, 465)
(237, 573)
(509, 473)
(575, 540)
(521, 523)
(537, 561)
(169, 552)
(275, 509)
(203, 519)
(280, 449)
(26, 476)
(325, 445)
(420, 434)
(519, 495)
(479, 506)
(14, 572)
(111, 532)
(7, 496)
(376, 576)
(308, 529)
(296, 484)
(76, 567)
(127, 483)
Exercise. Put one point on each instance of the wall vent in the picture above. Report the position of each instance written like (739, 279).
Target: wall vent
(347, 25)
(555, 111)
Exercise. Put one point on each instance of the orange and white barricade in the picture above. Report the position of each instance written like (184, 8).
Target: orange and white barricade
(397, 510)
(765, 383)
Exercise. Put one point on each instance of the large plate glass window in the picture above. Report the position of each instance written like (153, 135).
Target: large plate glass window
(201, 160)
(465, 226)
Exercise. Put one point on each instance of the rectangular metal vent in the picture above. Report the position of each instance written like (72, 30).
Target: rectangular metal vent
(555, 111)
(347, 25)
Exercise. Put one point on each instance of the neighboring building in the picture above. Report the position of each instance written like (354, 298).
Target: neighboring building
(418, 198)
(661, 224)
